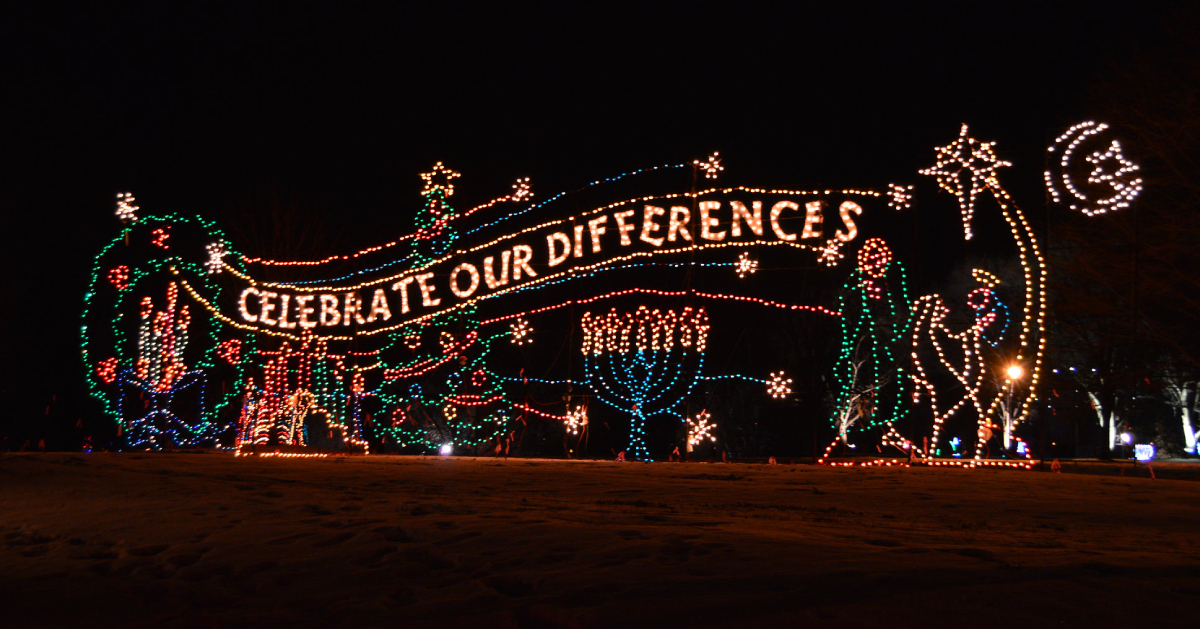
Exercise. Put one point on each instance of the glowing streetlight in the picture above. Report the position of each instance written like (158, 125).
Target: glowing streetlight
(1014, 372)
(447, 449)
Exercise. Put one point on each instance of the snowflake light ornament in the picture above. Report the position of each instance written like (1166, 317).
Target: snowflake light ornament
(901, 196)
(745, 265)
(216, 254)
(521, 190)
(964, 168)
(831, 253)
(700, 429)
(778, 386)
(521, 332)
(575, 420)
(126, 210)
(711, 166)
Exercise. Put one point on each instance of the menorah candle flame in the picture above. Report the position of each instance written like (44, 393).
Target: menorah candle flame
(645, 330)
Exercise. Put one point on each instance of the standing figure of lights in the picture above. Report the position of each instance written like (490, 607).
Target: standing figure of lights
(872, 385)
(644, 363)
(1102, 181)
(952, 364)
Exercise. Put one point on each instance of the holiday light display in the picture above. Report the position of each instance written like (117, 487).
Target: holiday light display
(400, 353)
(1112, 181)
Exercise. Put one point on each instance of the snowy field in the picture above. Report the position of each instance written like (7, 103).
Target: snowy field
(207, 540)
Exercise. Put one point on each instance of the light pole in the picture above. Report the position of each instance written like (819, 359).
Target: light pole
(1015, 372)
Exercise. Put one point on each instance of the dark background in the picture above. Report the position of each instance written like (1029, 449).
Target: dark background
(328, 112)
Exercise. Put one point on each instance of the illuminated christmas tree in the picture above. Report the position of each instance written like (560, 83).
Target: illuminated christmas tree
(440, 392)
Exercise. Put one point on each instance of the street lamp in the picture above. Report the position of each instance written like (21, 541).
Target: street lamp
(1015, 372)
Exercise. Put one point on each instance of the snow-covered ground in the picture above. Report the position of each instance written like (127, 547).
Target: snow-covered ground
(181, 540)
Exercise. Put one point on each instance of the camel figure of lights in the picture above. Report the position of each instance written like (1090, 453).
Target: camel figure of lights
(644, 363)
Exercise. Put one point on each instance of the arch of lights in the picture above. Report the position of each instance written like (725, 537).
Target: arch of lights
(188, 341)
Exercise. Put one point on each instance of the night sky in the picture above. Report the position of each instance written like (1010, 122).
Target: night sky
(333, 111)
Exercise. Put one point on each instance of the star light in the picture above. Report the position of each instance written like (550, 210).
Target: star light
(216, 251)
(700, 429)
(126, 210)
(711, 166)
(744, 265)
(521, 332)
(778, 386)
(439, 179)
(964, 168)
(901, 196)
